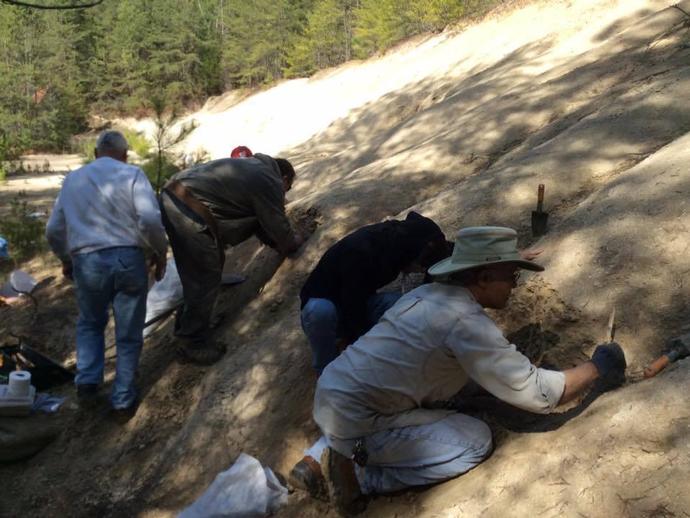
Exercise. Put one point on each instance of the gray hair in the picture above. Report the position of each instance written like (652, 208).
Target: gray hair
(463, 278)
(111, 141)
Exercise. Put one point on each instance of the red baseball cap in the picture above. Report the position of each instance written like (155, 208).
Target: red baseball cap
(241, 152)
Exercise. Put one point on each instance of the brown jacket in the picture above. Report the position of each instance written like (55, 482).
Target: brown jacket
(245, 196)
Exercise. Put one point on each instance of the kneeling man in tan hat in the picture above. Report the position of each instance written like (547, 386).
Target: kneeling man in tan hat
(373, 403)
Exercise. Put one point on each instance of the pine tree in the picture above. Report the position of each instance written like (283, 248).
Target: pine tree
(41, 102)
(327, 40)
(258, 38)
(380, 24)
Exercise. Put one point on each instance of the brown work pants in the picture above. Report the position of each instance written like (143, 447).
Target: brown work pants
(199, 263)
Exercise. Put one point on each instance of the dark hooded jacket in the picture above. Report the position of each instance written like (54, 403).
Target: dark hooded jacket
(359, 264)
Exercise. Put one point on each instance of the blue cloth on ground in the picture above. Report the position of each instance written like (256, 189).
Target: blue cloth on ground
(47, 403)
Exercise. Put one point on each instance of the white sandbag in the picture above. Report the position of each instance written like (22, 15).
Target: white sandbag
(167, 293)
(246, 490)
(164, 294)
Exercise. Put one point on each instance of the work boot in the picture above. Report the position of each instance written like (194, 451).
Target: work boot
(206, 354)
(87, 391)
(122, 415)
(342, 484)
(87, 395)
(216, 320)
(307, 476)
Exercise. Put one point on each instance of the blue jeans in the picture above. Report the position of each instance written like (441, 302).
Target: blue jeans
(320, 324)
(114, 276)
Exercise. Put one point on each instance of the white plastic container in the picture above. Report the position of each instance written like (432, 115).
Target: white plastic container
(17, 397)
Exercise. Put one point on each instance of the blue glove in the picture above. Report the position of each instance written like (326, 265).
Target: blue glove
(609, 360)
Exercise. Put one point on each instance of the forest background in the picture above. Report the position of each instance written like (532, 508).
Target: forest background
(59, 68)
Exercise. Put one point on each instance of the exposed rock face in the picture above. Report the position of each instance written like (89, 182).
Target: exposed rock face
(591, 98)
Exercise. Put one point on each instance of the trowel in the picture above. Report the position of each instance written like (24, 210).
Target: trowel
(678, 348)
(539, 217)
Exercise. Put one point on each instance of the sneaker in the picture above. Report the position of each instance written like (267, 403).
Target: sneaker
(307, 476)
(342, 484)
(204, 355)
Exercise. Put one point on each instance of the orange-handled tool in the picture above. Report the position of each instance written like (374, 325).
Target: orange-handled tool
(678, 348)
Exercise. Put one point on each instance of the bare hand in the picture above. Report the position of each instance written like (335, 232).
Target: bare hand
(531, 254)
(159, 264)
(298, 241)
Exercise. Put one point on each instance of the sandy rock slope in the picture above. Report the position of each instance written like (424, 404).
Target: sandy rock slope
(591, 98)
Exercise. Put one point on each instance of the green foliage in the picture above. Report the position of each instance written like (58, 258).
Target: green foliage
(137, 142)
(380, 24)
(9, 150)
(23, 232)
(85, 147)
(170, 131)
(6, 154)
(160, 170)
(257, 37)
(40, 100)
(57, 67)
(327, 40)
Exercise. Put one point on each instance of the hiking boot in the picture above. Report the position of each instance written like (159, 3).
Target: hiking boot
(122, 415)
(342, 484)
(307, 476)
(216, 320)
(200, 355)
(87, 395)
(87, 390)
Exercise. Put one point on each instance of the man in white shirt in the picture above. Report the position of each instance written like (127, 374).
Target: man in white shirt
(104, 218)
(374, 403)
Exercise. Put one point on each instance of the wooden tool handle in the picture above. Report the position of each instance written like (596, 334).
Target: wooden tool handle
(656, 366)
(540, 197)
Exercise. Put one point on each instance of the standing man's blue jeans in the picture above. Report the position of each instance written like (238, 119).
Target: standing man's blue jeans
(320, 324)
(114, 276)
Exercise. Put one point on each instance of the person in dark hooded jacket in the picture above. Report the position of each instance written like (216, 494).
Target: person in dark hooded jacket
(339, 300)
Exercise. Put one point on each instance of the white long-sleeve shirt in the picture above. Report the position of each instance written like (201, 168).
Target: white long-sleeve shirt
(104, 204)
(425, 349)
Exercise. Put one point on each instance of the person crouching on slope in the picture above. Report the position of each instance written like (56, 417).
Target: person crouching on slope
(340, 300)
(210, 206)
(374, 402)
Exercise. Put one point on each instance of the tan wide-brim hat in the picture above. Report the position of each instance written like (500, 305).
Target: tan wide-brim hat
(482, 246)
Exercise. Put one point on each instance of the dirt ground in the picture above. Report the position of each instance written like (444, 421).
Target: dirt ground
(590, 98)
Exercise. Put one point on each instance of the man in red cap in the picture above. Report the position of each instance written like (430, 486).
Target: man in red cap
(210, 206)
